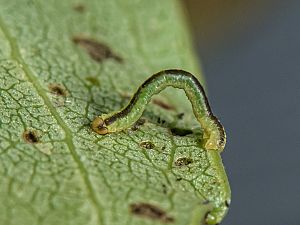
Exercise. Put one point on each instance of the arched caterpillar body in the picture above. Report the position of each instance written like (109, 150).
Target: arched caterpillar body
(214, 135)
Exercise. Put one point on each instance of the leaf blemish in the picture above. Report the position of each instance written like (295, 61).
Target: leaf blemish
(31, 136)
(93, 80)
(162, 104)
(147, 144)
(165, 190)
(206, 202)
(180, 116)
(161, 121)
(180, 131)
(138, 123)
(183, 161)
(79, 8)
(58, 89)
(97, 51)
(147, 210)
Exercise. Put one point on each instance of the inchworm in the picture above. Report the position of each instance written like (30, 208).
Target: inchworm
(214, 135)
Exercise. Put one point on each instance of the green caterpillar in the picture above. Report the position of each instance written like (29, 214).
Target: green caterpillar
(214, 134)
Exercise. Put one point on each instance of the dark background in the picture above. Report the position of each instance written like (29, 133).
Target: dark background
(250, 54)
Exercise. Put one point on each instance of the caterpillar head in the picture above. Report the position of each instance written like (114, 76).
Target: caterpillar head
(98, 125)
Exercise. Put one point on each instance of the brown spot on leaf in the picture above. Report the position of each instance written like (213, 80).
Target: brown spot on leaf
(58, 89)
(147, 144)
(180, 116)
(206, 202)
(183, 161)
(93, 80)
(161, 121)
(97, 51)
(79, 7)
(149, 211)
(138, 123)
(180, 131)
(162, 104)
(165, 189)
(31, 136)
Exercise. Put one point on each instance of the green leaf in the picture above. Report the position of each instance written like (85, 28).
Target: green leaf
(62, 63)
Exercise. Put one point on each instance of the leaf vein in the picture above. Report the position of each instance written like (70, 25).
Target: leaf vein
(16, 55)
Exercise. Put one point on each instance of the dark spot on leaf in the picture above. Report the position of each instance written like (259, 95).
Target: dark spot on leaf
(159, 120)
(147, 144)
(141, 122)
(138, 123)
(183, 161)
(31, 136)
(58, 89)
(93, 80)
(180, 131)
(97, 51)
(163, 104)
(206, 202)
(178, 178)
(149, 211)
(79, 7)
(164, 187)
(180, 116)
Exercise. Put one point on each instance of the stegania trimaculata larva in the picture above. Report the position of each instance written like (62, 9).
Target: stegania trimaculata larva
(214, 136)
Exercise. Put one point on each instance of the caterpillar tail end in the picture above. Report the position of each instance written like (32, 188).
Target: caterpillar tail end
(214, 140)
(99, 126)
(213, 145)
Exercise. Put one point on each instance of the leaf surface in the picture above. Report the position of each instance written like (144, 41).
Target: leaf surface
(62, 63)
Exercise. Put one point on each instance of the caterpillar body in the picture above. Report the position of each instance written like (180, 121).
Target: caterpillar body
(214, 136)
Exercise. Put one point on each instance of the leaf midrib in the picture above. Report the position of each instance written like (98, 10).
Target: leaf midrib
(16, 55)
